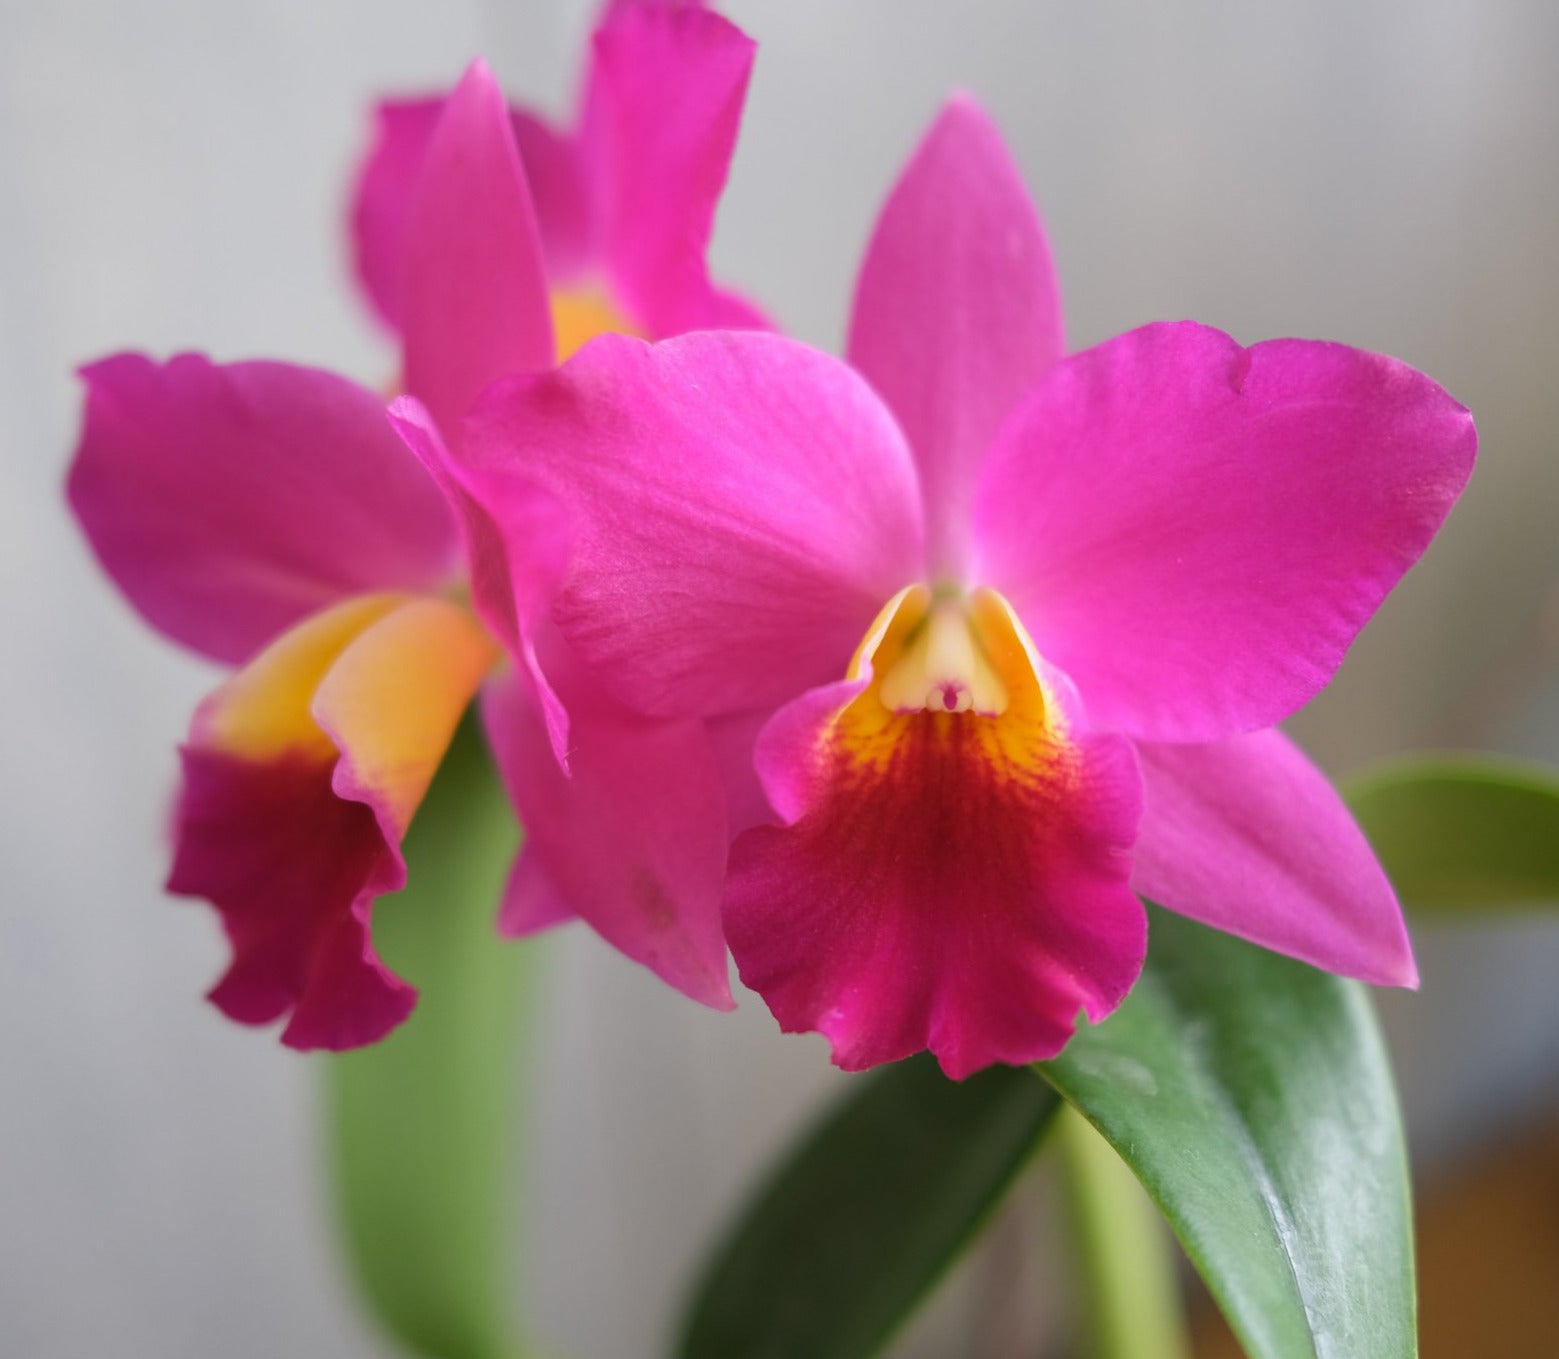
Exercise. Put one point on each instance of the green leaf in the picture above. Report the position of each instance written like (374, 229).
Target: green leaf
(1252, 1097)
(853, 1230)
(424, 1127)
(1463, 832)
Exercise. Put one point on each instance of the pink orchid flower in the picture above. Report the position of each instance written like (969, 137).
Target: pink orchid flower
(267, 516)
(1017, 624)
(661, 101)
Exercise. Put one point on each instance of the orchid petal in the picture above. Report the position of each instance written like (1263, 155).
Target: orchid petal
(559, 186)
(532, 902)
(957, 312)
(301, 775)
(517, 545)
(392, 700)
(662, 109)
(1246, 835)
(382, 196)
(956, 882)
(742, 507)
(634, 837)
(387, 181)
(1195, 532)
(735, 739)
(476, 304)
(231, 501)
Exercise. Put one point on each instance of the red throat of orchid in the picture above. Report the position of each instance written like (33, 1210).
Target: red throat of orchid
(954, 874)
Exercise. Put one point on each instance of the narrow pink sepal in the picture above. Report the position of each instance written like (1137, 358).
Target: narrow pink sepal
(957, 312)
(633, 837)
(476, 302)
(559, 183)
(741, 507)
(229, 501)
(1246, 835)
(293, 869)
(926, 913)
(387, 179)
(662, 109)
(1196, 532)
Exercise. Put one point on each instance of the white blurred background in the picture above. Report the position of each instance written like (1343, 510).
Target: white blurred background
(1384, 172)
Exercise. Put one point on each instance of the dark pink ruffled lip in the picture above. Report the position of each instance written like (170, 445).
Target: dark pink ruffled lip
(292, 870)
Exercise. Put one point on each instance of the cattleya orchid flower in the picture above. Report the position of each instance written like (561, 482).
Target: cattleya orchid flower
(268, 516)
(624, 200)
(1017, 625)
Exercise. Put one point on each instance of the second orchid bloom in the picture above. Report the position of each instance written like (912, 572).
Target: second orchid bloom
(267, 516)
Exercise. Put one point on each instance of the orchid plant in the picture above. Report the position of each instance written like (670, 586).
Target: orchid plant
(905, 677)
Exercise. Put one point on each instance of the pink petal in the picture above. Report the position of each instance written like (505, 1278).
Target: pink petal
(1246, 835)
(517, 546)
(1196, 532)
(560, 189)
(293, 870)
(735, 739)
(476, 305)
(230, 501)
(743, 506)
(661, 115)
(932, 910)
(633, 837)
(532, 902)
(381, 199)
(957, 312)
(387, 179)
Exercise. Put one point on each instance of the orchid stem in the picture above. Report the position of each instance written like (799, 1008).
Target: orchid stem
(1131, 1297)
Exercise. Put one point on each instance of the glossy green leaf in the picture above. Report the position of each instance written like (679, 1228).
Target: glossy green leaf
(423, 1127)
(1460, 833)
(1252, 1097)
(853, 1230)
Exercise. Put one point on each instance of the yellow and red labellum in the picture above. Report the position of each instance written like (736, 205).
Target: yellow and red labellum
(264, 712)
(954, 871)
(380, 679)
(581, 314)
(301, 776)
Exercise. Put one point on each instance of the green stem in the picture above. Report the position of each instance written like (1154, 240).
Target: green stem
(425, 1128)
(1131, 1297)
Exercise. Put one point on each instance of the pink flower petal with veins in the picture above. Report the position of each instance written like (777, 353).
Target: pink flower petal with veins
(662, 107)
(633, 838)
(1246, 835)
(740, 507)
(1196, 532)
(230, 501)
